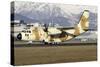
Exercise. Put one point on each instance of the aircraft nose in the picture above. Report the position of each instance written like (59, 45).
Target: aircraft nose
(19, 36)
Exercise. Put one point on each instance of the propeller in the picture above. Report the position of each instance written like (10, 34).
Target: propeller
(46, 27)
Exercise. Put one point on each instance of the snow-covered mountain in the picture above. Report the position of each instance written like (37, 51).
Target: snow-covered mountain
(66, 15)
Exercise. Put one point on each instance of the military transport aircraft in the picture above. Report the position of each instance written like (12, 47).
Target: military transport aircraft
(55, 35)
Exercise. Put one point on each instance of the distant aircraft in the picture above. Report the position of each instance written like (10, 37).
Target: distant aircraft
(54, 35)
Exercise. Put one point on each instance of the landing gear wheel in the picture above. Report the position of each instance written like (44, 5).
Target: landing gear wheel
(55, 43)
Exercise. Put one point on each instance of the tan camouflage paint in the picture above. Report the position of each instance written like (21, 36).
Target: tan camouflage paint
(77, 31)
(83, 22)
(64, 38)
(36, 33)
(60, 38)
(82, 25)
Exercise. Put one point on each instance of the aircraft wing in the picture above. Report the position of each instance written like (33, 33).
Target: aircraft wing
(58, 30)
(65, 28)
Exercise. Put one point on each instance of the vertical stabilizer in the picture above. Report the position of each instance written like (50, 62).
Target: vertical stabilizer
(83, 23)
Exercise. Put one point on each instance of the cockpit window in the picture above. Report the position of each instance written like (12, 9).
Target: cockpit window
(28, 31)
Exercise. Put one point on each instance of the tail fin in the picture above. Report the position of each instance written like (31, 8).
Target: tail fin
(83, 23)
